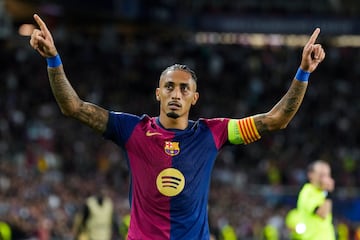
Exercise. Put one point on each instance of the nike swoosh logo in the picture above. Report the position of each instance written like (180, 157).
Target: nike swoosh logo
(149, 134)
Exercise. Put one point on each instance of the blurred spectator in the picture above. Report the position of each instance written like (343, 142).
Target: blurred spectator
(5, 231)
(96, 220)
(315, 204)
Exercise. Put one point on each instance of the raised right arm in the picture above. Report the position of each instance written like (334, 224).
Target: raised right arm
(71, 105)
(284, 111)
(68, 100)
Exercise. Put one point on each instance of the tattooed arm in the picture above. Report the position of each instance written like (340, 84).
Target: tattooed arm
(71, 105)
(282, 113)
(66, 97)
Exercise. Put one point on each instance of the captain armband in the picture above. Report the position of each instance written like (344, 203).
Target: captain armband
(242, 131)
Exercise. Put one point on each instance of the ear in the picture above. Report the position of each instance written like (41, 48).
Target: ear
(195, 99)
(157, 94)
(310, 176)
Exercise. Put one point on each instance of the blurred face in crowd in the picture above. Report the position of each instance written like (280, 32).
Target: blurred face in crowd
(176, 93)
(320, 176)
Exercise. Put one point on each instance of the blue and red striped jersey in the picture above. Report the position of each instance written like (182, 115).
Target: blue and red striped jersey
(170, 173)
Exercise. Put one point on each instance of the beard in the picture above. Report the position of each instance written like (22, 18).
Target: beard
(172, 115)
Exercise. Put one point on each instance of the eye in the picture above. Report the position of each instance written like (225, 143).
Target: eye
(185, 88)
(169, 86)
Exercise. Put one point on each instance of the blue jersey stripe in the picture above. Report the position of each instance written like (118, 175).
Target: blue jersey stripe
(188, 212)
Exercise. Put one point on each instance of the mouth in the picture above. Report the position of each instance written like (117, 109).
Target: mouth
(173, 105)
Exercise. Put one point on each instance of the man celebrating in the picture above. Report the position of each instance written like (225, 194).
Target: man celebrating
(315, 204)
(171, 157)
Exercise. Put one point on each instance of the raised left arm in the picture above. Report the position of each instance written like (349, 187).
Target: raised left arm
(282, 113)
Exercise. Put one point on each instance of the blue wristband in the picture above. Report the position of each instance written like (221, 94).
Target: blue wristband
(302, 75)
(54, 61)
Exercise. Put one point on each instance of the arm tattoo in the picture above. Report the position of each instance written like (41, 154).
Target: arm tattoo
(71, 105)
(261, 126)
(93, 116)
(282, 113)
(293, 98)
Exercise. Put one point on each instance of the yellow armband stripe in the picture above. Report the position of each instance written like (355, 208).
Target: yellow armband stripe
(242, 131)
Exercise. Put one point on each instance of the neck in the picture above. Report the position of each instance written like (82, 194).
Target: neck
(316, 185)
(180, 123)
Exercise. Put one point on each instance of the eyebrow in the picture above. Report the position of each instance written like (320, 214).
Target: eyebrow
(173, 83)
(170, 82)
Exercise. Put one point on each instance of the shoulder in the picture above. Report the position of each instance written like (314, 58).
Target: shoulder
(215, 125)
(309, 190)
(121, 125)
(213, 121)
(127, 118)
(306, 188)
(90, 200)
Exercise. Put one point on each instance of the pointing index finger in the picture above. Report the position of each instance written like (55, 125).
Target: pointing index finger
(314, 36)
(41, 24)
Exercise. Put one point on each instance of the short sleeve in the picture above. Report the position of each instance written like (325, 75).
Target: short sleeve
(120, 126)
(218, 128)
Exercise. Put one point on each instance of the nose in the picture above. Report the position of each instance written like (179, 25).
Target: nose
(176, 94)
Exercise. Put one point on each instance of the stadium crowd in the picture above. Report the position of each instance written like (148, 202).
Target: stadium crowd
(49, 164)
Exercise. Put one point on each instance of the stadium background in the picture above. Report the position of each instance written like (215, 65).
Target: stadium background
(245, 54)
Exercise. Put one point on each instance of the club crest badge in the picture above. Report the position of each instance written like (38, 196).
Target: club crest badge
(172, 148)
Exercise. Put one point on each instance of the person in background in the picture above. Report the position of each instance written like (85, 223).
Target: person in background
(315, 202)
(5, 231)
(96, 220)
(124, 226)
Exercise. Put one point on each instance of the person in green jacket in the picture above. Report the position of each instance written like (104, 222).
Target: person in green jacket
(5, 231)
(314, 202)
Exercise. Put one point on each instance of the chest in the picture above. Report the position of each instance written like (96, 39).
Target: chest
(185, 150)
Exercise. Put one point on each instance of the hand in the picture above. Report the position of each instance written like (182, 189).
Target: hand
(41, 39)
(328, 184)
(312, 54)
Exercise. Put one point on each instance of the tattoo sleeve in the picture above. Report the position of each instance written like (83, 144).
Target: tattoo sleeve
(71, 105)
(282, 113)
(260, 123)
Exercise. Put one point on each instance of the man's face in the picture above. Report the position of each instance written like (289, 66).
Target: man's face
(321, 175)
(176, 93)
